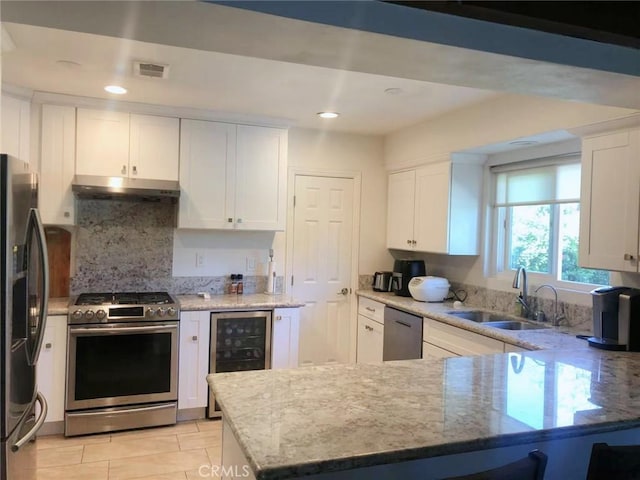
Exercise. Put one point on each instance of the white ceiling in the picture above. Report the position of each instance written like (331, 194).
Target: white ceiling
(224, 82)
(244, 65)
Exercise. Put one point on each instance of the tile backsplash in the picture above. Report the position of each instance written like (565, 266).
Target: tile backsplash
(123, 245)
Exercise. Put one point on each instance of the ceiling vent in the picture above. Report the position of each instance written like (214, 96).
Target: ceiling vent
(150, 70)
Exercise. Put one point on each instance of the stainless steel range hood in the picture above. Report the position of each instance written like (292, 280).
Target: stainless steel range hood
(91, 186)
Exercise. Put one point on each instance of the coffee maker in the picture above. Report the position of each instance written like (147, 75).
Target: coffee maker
(403, 272)
(616, 318)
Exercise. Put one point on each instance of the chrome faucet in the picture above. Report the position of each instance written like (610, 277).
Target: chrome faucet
(555, 321)
(522, 298)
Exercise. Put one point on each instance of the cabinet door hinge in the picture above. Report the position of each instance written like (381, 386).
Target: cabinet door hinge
(294, 201)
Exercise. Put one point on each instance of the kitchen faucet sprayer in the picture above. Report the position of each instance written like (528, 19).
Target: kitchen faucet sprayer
(522, 298)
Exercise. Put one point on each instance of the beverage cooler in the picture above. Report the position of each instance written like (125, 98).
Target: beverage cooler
(240, 341)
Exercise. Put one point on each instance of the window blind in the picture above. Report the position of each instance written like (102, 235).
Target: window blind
(538, 182)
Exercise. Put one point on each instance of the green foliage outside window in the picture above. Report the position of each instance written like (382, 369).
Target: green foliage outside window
(531, 238)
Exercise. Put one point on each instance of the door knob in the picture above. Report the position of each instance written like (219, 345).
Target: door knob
(344, 291)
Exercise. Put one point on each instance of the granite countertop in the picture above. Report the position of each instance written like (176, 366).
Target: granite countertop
(233, 302)
(310, 420)
(552, 338)
(60, 306)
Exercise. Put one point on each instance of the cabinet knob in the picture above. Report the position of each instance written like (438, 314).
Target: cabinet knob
(135, 170)
(47, 345)
(194, 338)
(367, 327)
(413, 242)
(408, 242)
(628, 256)
(229, 220)
(278, 317)
(370, 309)
(239, 220)
(124, 170)
(66, 214)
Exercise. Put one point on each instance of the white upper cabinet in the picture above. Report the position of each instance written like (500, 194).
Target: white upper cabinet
(153, 147)
(57, 162)
(232, 176)
(261, 177)
(16, 114)
(610, 201)
(118, 144)
(435, 208)
(102, 143)
(207, 156)
(400, 211)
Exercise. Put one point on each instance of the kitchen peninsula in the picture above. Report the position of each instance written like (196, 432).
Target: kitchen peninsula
(429, 418)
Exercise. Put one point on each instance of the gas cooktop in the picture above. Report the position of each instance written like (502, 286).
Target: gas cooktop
(124, 307)
(125, 298)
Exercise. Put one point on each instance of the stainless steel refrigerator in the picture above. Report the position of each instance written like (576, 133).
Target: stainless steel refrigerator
(25, 283)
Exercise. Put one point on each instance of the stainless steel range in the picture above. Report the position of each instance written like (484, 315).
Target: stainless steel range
(122, 365)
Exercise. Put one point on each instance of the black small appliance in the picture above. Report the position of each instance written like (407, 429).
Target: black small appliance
(403, 272)
(616, 319)
(382, 281)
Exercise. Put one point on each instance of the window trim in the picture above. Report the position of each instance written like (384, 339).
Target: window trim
(499, 267)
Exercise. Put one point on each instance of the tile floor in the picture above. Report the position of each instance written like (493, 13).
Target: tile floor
(163, 453)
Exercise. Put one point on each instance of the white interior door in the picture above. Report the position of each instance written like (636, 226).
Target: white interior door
(322, 263)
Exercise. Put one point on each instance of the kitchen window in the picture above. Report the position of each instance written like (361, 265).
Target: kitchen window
(537, 219)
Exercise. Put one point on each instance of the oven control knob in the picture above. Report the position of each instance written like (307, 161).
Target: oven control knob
(77, 315)
(171, 311)
(89, 314)
(101, 314)
(161, 312)
(151, 312)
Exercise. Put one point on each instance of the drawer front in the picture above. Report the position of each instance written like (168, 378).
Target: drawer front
(370, 341)
(458, 340)
(371, 309)
(429, 350)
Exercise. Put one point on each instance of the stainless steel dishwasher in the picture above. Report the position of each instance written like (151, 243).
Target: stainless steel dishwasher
(402, 335)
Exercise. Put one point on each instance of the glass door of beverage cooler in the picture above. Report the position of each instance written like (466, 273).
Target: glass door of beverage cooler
(239, 341)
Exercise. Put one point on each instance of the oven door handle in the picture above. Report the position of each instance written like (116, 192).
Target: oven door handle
(112, 330)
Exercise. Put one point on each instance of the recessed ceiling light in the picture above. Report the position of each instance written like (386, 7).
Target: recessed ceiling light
(118, 90)
(328, 114)
(393, 91)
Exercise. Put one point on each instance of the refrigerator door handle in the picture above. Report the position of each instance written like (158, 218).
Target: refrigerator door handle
(31, 433)
(36, 224)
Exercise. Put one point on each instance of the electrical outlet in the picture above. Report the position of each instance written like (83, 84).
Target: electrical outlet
(251, 264)
(200, 260)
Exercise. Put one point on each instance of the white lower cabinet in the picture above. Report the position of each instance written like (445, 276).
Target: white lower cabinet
(458, 340)
(370, 340)
(513, 348)
(430, 350)
(52, 363)
(193, 364)
(285, 338)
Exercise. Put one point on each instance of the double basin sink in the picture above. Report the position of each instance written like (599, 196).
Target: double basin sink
(496, 320)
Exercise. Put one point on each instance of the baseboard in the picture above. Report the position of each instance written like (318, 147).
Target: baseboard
(191, 414)
(51, 428)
